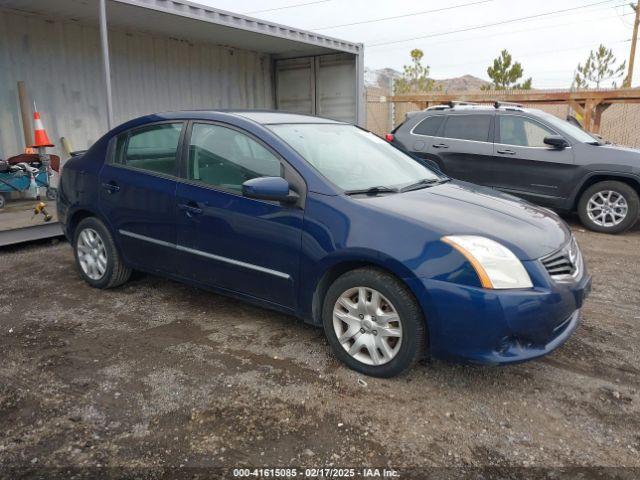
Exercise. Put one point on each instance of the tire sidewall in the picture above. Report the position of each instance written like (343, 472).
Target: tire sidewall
(107, 240)
(413, 328)
(623, 189)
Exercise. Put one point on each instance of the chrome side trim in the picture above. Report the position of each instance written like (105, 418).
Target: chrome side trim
(233, 262)
(146, 239)
(193, 251)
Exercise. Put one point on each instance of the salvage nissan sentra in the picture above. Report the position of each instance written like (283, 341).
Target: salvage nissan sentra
(327, 222)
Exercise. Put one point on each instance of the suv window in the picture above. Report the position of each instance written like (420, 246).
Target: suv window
(520, 131)
(152, 148)
(227, 158)
(468, 127)
(429, 126)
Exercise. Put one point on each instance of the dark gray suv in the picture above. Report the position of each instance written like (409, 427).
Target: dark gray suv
(531, 154)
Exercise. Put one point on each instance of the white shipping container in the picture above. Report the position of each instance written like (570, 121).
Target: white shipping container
(164, 55)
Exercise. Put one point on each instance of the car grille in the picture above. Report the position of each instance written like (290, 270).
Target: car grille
(566, 263)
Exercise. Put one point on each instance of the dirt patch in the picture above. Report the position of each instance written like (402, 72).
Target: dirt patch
(160, 375)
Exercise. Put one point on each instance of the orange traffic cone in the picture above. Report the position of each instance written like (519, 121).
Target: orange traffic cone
(41, 138)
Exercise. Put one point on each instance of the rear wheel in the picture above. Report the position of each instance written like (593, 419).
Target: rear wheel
(97, 257)
(609, 207)
(373, 323)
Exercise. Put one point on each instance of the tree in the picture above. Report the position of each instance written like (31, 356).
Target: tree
(504, 74)
(599, 68)
(415, 78)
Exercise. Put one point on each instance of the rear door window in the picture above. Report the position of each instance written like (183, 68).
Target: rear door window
(152, 148)
(468, 127)
(429, 126)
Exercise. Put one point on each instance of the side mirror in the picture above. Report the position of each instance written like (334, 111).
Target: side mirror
(556, 141)
(269, 188)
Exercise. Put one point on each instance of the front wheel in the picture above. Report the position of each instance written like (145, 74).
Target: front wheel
(609, 207)
(97, 257)
(373, 323)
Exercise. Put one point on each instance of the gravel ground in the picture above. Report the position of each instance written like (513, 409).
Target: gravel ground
(157, 375)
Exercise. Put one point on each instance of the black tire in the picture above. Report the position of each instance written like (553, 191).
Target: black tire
(2, 202)
(626, 191)
(413, 344)
(116, 272)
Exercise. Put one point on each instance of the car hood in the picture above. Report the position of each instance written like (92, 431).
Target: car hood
(630, 154)
(460, 208)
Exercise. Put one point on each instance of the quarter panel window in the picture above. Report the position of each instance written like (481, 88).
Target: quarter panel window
(152, 148)
(522, 132)
(468, 127)
(227, 158)
(429, 126)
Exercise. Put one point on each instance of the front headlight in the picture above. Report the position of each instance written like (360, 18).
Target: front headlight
(496, 265)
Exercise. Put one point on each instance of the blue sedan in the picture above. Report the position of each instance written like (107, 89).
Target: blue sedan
(327, 222)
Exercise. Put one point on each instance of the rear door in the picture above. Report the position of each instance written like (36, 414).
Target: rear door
(463, 146)
(525, 166)
(137, 194)
(420, 139)
(230, 241)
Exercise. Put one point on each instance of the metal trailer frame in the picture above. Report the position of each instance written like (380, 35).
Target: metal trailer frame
(321, 44)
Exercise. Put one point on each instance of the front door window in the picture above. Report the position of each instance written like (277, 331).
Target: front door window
(226, 158)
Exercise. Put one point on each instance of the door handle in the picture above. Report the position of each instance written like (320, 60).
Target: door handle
(440, 145)
(190, 209)
(111, 187)
(506, 152)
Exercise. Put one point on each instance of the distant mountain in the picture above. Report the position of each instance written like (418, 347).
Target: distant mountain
(459, 84)
(380, 78)
(383, 77)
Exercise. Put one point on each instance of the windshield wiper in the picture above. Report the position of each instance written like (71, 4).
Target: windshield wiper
(372, 190)
(425, 182)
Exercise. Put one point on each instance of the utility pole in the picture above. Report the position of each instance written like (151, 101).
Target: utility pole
(634, 40)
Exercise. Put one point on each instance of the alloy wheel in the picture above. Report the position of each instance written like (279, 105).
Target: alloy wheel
(607, 208)
(367, 325)
(92, 254)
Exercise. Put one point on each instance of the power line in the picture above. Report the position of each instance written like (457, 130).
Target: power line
(286, 7)
(487, 25)
(532, 54)
(545, 27)
(403, 16)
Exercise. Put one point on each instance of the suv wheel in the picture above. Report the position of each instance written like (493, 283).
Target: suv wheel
(373, 323)
(609, 207)
(96, 255)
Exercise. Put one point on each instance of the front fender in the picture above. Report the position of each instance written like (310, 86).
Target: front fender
(622, 172)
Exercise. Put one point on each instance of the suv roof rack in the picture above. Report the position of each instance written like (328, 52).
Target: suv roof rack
(499, 104)
(438, 107)
(461, 103)
(452, 104)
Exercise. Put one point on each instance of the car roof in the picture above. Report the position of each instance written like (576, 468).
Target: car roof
(262, 116)
(270, 117)
(476, 108)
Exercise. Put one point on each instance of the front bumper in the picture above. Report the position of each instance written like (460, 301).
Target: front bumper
(477, 325)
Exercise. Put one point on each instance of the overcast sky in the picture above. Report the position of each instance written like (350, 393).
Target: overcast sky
(549, 47)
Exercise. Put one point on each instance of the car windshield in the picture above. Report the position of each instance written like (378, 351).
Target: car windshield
(570, 129)
(353, 159)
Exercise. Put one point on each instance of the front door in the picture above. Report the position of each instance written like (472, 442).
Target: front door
(225, 239)
(525, 166)
(137, 194)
